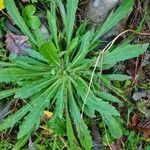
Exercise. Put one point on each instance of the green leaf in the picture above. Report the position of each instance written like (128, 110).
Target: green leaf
(14, 118)
(93, 102)
(16, 74)
(124, 52)
(102, 107)
(53, 26)
(21, 142)
(81, 29)
(34, 1)
(6, 64)
(28, 14)
(118, 77)
(84, 48)
(33, 60)
(109, 97)
(113, 125)
(71, 7)
(33, 88)
(73, 44)
(15, 15)
(62, 12)
(33, 22)
(37, 109)
(49, 51)
(7, 93)
(82, 129)
(73, 144)
(108, 84)
(34, 54)
(114, 18)
(25, 65)
(60, 102)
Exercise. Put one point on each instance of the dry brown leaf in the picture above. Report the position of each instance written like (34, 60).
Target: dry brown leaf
(118, 145)
(144, 126)
(115, 146)
(135, 120)
(16, 43)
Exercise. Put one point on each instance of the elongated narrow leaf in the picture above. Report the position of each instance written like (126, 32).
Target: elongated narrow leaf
(7, 93)
(52, 25)
(102, 107)
(62, 12)
(15, 15)
(113, 125)
(21, 142)
(122, 53)
(71, 137)
(37, 110)
(60, 102)
(49, 51)
(81, 29)
(108, 84)
(114, 18)
(6, 64)
(33, 88)
(30, 60)
(93, 102)
(34, 54)
(14, 118)
(73, 44)
(109, 97)
(72, 6)
(82, 129)
(118, 77)
(84, 48)
(29, 67)
(16, 74)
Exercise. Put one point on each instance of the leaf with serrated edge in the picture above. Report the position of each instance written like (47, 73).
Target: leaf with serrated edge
(37, 110)
(113, 126)
(83, 133)
(17, 74)
(33, 88)
(49, 51)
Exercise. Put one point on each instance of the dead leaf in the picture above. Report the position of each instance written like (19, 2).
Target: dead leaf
(47, 114)
(118, 145)
(16, 43)
(135, 120)
(115, 146)
(143, 94)
(144, 126)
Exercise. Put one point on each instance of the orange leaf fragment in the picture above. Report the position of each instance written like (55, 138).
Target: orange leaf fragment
(48, 114)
